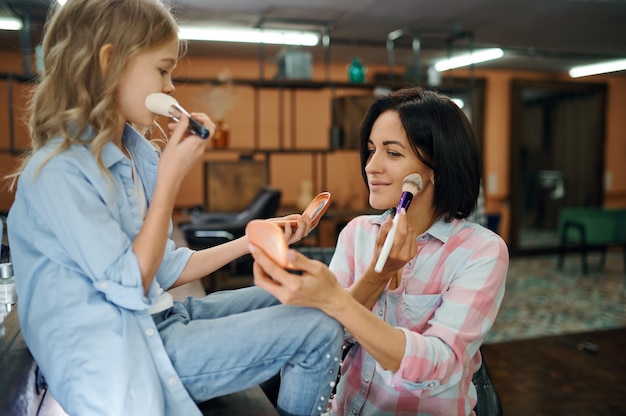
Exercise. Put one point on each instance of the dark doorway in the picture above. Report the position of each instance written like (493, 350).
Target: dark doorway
(557, 157)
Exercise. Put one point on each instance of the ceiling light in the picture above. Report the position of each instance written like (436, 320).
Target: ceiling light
(601, 68)
(10, 23)
(249, 35)
(469, 59)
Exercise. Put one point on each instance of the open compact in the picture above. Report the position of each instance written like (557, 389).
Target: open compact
(315, 210)
(270, 238)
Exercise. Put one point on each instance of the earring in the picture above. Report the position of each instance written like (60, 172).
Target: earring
(432, 181)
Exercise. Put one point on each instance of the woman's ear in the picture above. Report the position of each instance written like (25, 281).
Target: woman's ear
(104, 57)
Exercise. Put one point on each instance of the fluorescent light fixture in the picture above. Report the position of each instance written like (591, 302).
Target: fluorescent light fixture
(469, 59)
(249, 35)
(10, 23)
(61, 2)
(600, 68)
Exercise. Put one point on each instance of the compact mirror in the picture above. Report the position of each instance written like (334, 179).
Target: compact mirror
(315, 210)
(270, 238)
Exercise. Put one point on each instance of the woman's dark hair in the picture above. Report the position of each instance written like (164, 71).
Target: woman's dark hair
(441, 137)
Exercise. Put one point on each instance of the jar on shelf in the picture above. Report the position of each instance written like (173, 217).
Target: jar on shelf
(356, 71)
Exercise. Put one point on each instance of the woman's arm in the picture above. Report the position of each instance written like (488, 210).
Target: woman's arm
(317, 287)
(368, 287)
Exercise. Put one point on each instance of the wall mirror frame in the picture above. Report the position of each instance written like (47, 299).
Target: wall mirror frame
(556, 158)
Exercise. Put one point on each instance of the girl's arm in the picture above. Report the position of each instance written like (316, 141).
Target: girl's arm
(177, 158)
(204, 262)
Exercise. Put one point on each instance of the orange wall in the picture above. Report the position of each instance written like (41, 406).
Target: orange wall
(301, 119)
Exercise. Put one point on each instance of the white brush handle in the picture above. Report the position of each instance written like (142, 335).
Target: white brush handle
(384, 252)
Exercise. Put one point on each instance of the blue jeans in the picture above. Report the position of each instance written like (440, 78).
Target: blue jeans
(231, 340)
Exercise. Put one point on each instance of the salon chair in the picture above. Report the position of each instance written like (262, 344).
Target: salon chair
(209, 229)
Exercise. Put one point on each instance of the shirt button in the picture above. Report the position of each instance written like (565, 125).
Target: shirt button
(366, 380)
(380, 313)
(354, 411)
(172, 381)
(129, 191)
(149, 332)
(431, 385)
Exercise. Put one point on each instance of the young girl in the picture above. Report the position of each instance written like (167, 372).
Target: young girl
(416, 327)
(89, 234)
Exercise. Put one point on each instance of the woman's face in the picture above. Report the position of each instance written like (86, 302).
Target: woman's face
(391, 159)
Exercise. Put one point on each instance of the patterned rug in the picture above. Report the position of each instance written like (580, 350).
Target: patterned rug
(541, 301)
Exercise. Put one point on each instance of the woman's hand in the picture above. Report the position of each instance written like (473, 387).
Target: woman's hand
(313, 286)
(404, 245)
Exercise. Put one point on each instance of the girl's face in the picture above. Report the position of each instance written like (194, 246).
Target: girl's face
(147, 72)
(390, 160)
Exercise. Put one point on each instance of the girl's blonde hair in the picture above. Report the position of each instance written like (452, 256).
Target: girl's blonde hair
(73, 93)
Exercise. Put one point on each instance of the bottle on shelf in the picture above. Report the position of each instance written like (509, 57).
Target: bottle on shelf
(8, 296)
(221, 136)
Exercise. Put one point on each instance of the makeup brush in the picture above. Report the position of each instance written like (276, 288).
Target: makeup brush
(411, 185)
(166, 105)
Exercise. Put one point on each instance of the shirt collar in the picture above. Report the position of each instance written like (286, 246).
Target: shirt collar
(134, 142)
(440, 230)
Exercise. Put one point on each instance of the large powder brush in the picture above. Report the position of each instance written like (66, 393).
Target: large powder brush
(411, 185)
(166, 105)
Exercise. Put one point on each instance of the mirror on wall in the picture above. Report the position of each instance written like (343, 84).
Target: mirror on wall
(557, 157)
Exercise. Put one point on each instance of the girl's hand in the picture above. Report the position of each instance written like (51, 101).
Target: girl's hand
(200, 117)
(182, 150)
(296, 226)
(314, 285)
(404, 245)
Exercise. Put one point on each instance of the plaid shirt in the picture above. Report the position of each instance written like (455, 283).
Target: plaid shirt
(446, 303)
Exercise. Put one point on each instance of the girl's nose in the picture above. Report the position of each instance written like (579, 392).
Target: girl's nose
(169, 87)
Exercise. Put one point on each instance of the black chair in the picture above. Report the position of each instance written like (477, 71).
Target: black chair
(208, 229)
(487, 399)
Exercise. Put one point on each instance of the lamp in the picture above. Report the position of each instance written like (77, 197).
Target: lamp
(469, 59)
(10, 23)
(249, 35)
(599, 68)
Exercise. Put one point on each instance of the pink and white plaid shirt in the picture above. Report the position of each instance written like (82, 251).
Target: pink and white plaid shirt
(445, 304)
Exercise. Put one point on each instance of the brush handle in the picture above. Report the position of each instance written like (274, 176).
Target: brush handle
(194, 126)
(198, 129)
(384, 252)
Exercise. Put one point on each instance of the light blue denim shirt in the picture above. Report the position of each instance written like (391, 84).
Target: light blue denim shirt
(81, 303)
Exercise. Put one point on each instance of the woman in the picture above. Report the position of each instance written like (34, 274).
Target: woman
(415, 327)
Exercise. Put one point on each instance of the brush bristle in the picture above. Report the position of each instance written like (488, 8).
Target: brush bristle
(412, 183)
(160, 103)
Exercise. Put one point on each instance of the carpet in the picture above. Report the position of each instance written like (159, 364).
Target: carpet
(541, 301)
